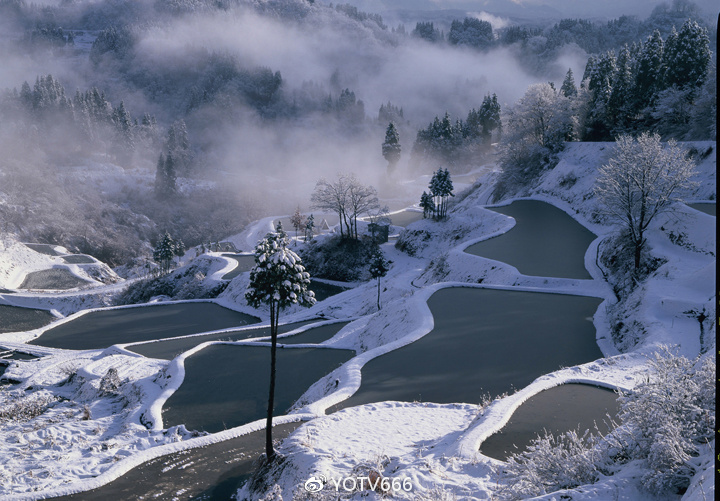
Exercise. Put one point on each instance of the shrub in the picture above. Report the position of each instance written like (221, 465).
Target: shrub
(337, 258)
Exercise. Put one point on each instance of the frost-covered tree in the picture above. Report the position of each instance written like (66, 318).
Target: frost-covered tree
(687, 57)
(568, 88)
(641, 180)
(178, 145)
(379, 266)
(427, 204)
(332, 197)
(164, 252)
(441, 187)
(298, 221)
(277, 280)
(391, 148)
(165, 178)
(361, 200)
(309, 227)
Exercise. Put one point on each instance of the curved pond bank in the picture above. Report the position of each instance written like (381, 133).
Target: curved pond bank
(16, 319)
(544, 242)
(100, 329)
(484, 341)
(52, 279)
(564, 408)
(405, 217)
(212, 472)
(170, 349)
(245, 263)
(227, 386)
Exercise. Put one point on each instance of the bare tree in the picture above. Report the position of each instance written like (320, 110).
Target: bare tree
(332, 197)
(362, 200)
(641, 180)
(348, 198)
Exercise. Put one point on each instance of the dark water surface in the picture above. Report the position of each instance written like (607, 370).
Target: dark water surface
(245, 263)
(227, 386)
(171, 348)
(484, 341)
(405, 217)
(558, 410)
(101, 329)
(214, 472)
(54, 278)
(16, 319)
(707, 208)
(544, 242)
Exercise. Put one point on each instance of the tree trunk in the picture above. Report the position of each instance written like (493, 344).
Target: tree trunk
(378, 293)
(269, 451)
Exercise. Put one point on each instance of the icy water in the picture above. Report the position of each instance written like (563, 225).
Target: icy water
(323, 291)
(484, 341)
(16, 319)
(544, 242)
(43, 249)
(227, 386)
(558, 410)
(171, 348)
(707, 208)
(53, 279)
(212, 472)
(78, 259)
(101, 329)
(245, 263)
(405, 217)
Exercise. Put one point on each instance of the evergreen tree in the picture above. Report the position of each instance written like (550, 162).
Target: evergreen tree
(687, 57)
(379, 266)
(165, 178)
(620, 103)
(489, 117)
(427, 204)
(278, 280)
(391, 148)
(178, 145)
(568, 88)
(310, 228)
(441, 187)
(164, 252)
(297, 220)
(649, 74)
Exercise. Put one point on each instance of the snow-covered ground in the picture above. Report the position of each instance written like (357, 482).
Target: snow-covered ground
(99, 423)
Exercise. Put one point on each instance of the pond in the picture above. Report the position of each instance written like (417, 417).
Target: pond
(78, 259)
(17, 319)
(484, 341)
(212, 472)
(544, 242)
(54, 279)
(227, 386)
(245, 263)
(405, 217)
(323, 291)
(707, 208)
(558, 410)
(173, 347)
(100, 329)
(44, 249)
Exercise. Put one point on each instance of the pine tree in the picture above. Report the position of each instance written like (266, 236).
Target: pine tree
(568, 88)
(489, 116)
(278, 280)
(297, 220)
(379, 267)
(310, 228)
(687, 57)
(427, 204)
(391, 148)
(165, 178)
(621, 99)
(164, 252)
(649, 75)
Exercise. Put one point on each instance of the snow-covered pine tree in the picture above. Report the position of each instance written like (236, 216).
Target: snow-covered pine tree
(309, 227)
(687, 57)
(649, 75)
(568, 88)
(164, 252)
(278, 280)
(427, 204)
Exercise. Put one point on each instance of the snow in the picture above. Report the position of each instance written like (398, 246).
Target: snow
(435, 446)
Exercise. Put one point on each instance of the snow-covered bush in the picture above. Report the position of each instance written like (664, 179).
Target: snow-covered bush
(337, 258)
(551, 463)
(18, 406)
(664, 422)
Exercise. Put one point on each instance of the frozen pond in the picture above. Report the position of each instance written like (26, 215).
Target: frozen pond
(16, 319)
(245, 263)
(171, 348)
(707, 208)
(544, 242)
(212, 472)
(323, 291)
(484, 341)
(54, 278)
(227, 386)
(558, 410)
(43, 249)
(405, 217)
(78, 259)
(100, 329)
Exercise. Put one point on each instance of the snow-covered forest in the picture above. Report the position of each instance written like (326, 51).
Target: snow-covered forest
(150, 149)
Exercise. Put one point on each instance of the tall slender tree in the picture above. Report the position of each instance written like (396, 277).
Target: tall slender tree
(278, 280)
